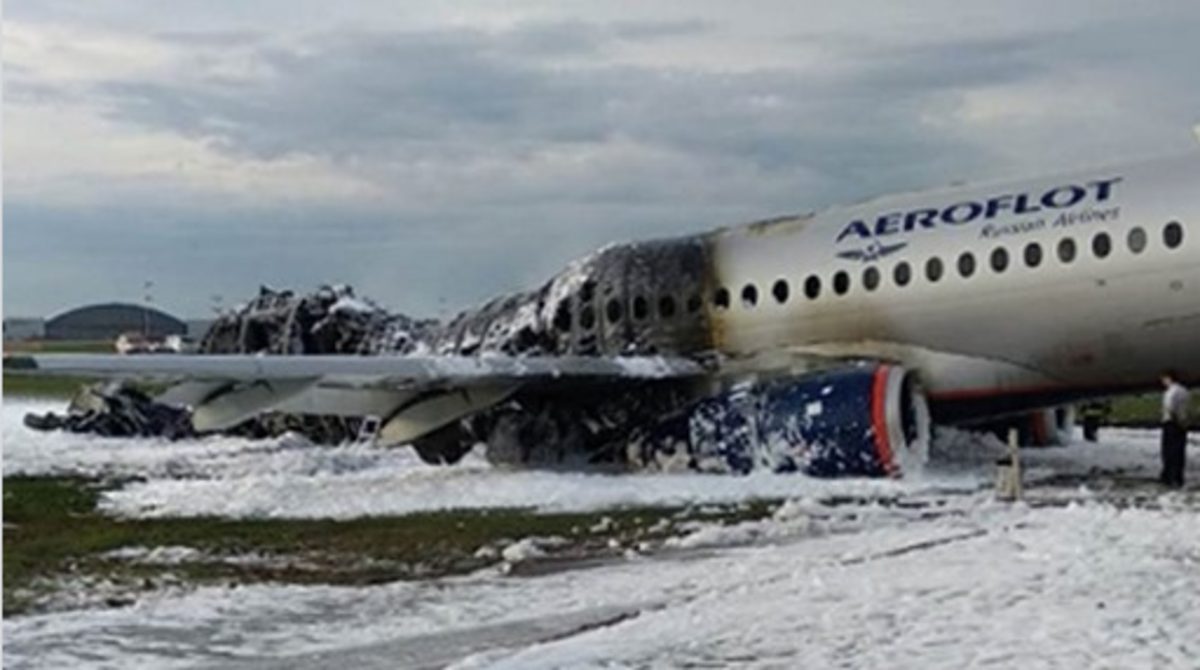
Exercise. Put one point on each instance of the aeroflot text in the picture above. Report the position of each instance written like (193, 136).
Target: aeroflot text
(960, 213)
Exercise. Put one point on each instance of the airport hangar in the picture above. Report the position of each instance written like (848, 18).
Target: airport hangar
(102, 322)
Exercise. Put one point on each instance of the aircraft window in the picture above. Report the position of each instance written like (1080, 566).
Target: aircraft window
(1173, 235)
(562, 317)
(999, 259)
(902, 274)
(934, 269)
(871, 278)
(1066, 250)
(694, 304)
(966, 265)
(1137, 240)
(613, 311)
(749, 295)
(587, 317)
(812, 287)
(666, 307)
(721, 298)
(1033, 255)
(781, 290)
(640, 308)
(841, 282)
(587, 291)
(1101, 245)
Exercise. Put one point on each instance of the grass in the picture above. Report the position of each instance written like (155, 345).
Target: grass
(61, 347)
(35, 386)
(39, 386)
(54, 531)
(76, 347)
(1144, 410)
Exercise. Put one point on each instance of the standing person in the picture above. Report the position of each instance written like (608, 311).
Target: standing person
(1174, 429)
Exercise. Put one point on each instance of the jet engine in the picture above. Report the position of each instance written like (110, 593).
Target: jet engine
(869, 420)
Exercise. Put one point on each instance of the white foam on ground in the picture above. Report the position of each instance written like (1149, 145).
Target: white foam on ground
(290, 478)
(972, 583)
(991, 586)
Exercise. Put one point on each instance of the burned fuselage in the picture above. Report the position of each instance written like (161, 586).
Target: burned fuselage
(630, 299)
(666, 297)
(686, 297)
(641, 298)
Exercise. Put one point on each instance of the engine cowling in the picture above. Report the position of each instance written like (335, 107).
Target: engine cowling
(869, 420)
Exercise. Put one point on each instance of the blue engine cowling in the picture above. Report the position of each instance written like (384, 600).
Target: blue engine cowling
(869, 420)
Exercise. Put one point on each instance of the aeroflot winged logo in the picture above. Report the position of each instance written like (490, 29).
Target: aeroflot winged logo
(872, 252)
(873, 233)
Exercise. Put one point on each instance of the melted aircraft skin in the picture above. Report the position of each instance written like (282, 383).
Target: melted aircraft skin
(627, 299)
(794, 291)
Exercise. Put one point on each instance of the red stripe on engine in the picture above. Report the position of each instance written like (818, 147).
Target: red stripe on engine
(883, 447)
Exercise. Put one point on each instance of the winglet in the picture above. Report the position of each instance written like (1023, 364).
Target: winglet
(1196, 130)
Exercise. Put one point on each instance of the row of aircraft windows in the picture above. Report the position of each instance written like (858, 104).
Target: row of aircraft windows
(1032, 255)
(999, 261)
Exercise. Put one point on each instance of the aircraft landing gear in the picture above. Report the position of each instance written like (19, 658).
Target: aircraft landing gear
(444, 446)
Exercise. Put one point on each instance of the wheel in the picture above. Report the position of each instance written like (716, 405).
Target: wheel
(444, 446)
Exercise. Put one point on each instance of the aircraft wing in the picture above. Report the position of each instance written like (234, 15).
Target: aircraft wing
(419, 393)
(354, 371)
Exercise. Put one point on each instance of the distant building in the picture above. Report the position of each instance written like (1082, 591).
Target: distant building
(109, 321)
(16, 329)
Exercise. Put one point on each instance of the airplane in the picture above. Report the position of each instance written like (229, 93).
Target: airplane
(827, 343)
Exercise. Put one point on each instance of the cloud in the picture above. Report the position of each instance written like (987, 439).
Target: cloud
(501, 146)
(382, 106)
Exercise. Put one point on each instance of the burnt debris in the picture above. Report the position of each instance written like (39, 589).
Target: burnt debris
(332, 320)
(633, 299)
(116, 410)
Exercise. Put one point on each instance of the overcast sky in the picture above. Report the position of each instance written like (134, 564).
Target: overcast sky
(433, 154)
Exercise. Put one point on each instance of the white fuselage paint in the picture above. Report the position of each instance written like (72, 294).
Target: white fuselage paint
(1092, 323)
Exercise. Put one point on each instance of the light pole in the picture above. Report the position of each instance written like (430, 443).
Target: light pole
(146, 286)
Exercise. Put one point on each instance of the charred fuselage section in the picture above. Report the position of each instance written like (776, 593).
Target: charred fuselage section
(331, 320)
(639, 299)
(631, 299)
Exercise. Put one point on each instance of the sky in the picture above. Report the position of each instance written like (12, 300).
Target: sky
(435, 154)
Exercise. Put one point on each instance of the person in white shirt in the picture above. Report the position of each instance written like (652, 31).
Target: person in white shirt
(1174, 429)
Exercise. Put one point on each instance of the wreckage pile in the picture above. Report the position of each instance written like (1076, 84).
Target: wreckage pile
(640, 299)
(329, 321)
(116, 410)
